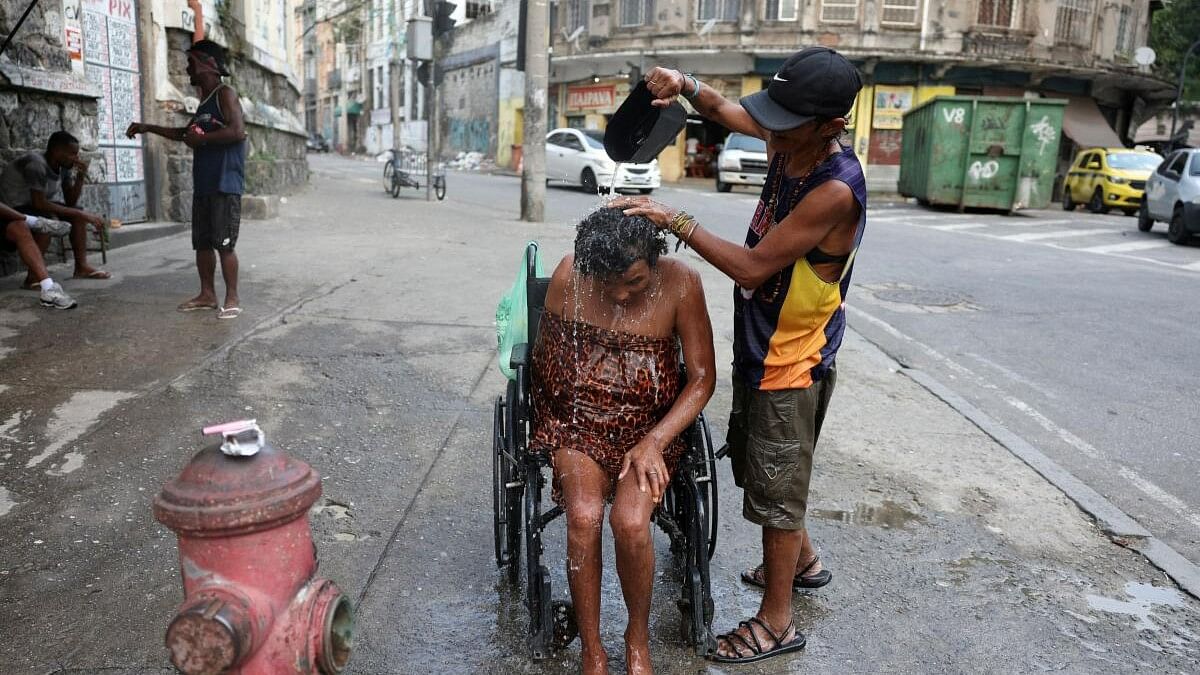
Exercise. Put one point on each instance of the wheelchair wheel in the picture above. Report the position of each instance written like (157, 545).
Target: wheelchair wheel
(439, 187)
(537, 590)
(506, 497)
(706, 477)
(695, 603)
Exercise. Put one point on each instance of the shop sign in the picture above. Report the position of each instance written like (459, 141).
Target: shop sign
(591, 98)
(890, 106)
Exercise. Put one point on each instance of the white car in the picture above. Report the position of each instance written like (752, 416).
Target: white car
(743, 161)
(576, 157)
(1173, 196)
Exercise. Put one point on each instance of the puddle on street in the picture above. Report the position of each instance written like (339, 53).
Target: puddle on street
(1144, 599)
(889, 514)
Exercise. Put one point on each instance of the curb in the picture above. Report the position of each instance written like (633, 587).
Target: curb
(135, 234)
(1119, 526)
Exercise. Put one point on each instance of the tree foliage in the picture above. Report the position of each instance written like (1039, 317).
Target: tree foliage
(1175, 28)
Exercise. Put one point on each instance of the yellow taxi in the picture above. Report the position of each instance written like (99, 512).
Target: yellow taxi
(1109, 178)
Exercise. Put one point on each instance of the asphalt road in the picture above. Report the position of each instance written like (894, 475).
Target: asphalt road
(367, 350)
(1074, 330)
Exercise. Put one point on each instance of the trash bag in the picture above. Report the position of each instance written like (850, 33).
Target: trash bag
(512, 314)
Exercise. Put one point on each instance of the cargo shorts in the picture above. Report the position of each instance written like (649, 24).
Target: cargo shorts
(772, 435)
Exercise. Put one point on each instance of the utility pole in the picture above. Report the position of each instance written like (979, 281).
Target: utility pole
(537, 75)
(431, 125)
(395, 74)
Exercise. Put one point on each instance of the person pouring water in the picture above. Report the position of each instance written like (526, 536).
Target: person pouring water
(791, 280)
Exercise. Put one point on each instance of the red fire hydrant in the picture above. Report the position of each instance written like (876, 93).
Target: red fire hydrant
(252, 604)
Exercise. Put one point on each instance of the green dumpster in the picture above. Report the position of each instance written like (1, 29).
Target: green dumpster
(981, 152)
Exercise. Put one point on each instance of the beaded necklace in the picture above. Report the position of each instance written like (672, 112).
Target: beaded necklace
(799, 182)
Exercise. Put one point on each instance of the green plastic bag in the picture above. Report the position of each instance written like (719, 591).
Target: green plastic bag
(512, 314)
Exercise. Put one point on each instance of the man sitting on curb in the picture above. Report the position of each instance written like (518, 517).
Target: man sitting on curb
(40, 184)
(29, 236)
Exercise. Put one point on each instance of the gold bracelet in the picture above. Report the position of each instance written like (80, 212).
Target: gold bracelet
(679, 222)
(687, 236)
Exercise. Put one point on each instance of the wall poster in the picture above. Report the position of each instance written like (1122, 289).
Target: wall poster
(110, 54)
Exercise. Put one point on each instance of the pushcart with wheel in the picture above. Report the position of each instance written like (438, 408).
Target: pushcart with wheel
(407, 168)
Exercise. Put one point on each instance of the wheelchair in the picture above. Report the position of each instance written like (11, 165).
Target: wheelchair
(687, 514)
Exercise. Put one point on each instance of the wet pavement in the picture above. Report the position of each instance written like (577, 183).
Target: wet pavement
(367, 349)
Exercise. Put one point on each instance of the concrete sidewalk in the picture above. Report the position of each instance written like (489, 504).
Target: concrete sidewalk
(367, 350)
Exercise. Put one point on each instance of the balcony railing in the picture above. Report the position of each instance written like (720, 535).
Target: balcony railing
(995, 45)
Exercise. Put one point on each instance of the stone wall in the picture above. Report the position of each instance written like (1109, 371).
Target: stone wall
(275, 154)
(39, 94)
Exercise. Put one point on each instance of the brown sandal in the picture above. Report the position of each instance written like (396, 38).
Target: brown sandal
(757, 577)
(757, 651)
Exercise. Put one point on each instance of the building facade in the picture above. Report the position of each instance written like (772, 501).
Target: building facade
(92, 67)
(482, 95)
(907, 50)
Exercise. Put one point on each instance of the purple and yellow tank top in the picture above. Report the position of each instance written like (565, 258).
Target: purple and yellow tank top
(788, 330)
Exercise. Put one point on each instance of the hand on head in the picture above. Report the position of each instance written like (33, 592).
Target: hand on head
(659, 214)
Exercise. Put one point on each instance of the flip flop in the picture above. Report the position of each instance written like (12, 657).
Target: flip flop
(801, 581)
(757, 653)
(193, 306)
(94, 274)
(229, 312)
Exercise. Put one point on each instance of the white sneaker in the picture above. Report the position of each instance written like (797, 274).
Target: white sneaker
(57, 298)
(54, 228)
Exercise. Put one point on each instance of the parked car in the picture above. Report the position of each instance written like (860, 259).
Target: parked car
(317, 143)
(743, 161)
(577, 157)
(1108, 178)
(1173, 196)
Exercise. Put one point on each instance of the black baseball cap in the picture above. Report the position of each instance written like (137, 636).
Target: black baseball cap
(813, 82)
(212, 50)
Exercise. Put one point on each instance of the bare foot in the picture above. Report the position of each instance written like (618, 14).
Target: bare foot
(89, 272)
(637, 656)
(595, 661)
(202, 301)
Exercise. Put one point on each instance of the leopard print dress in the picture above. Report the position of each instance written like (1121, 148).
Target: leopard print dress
(599, 392)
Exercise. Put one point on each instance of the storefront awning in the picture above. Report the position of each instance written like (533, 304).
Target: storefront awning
(1085, 124)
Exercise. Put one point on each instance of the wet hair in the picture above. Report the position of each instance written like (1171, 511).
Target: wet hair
(607, 242)
(60, 139)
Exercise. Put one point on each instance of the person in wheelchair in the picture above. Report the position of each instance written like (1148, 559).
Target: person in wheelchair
(610, 401)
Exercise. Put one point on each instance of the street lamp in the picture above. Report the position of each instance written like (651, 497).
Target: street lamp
(1179, 92)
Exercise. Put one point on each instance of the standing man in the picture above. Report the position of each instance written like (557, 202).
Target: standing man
(792, 276)
(48, 185)
(217, 136)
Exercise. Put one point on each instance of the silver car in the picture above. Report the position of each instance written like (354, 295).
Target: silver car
(1173, 196)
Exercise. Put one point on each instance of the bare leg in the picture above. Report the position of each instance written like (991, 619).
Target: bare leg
(206, 265)
(229, 272)
(630, 520)
(27, 248)
(583, 485)
(79, 234)
(781, 551)
(43, 244)
(808, 553)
